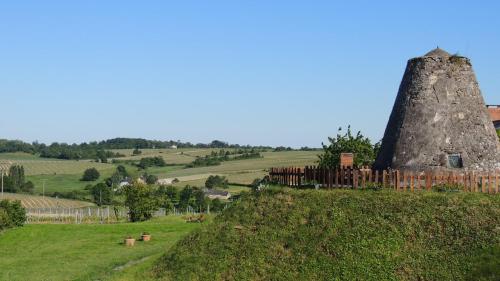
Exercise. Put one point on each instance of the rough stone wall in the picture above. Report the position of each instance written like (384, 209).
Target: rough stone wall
(439, 110)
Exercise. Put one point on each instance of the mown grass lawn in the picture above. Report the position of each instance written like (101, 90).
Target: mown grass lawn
(84, 252)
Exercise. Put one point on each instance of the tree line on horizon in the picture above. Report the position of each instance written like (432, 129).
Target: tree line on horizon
(100, 151)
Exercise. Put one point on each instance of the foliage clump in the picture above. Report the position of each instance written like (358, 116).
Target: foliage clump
(216, 181)
(141, 201)
(342, 235)
(12, 214)
(156, 161)
(90, 174)
(361, 146)
(15, 181)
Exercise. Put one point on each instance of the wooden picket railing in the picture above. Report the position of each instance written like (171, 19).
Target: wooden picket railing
(399, 180)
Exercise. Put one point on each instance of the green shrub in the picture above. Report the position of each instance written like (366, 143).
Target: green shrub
(141, 201)
(12, 214)
(147, 162)
(364, 151)
(102, 194)
(91, 174)
(216, 181)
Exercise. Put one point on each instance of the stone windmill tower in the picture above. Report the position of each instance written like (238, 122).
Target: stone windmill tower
(439, 119)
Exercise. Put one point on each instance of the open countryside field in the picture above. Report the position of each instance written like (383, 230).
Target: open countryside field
(34, 165)
(64, 175)
(34, 201)
(84, 252)
(245, 171)
(171, 156)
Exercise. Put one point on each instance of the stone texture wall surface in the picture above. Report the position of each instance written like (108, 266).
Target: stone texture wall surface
(439, 111)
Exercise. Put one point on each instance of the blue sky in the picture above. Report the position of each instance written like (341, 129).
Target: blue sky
(249, 72)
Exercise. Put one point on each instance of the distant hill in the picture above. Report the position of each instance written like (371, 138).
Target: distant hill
(101, 150)
(344, 235)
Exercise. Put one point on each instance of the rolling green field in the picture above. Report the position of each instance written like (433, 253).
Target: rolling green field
(64, 175)
(85, 252)
(34, 165)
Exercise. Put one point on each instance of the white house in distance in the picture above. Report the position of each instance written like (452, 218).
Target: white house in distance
(216, 194)
(167, 181)
(173, 147)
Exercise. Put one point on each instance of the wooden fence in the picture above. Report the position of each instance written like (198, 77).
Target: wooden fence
(399, 180)
(90, 215)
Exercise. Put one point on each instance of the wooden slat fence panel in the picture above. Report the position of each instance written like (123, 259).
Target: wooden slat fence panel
(400, 180)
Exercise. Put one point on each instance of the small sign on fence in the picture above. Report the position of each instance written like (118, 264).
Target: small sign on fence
(347, 160)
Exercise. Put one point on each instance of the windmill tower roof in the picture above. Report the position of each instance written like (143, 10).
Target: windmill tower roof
(440, 53)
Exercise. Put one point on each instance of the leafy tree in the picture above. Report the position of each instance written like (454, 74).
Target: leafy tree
(185, 197)
(136, 151)
(167, 196)
(151, 162)
(91, 174)
(216, 205)
(200, 201)
(151, 179)
(102, 194)
(120, 169)
(12, 214)
(216, 181)
(15, 180)
(141, 201)
(364, 153)
(28, 187)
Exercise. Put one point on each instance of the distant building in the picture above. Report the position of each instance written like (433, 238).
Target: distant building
(173, 147)
(168, 181)
(494, 111)
(216, 194)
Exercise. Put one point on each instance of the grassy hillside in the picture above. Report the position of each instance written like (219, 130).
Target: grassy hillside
(84, 252)
(343, 235)
(34, 165)
(64, 175)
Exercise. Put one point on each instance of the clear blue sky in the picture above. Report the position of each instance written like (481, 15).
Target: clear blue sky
(248, 72)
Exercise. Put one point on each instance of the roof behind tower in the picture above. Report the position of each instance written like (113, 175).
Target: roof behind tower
(439, 117)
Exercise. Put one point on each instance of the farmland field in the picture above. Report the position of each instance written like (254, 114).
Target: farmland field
(34, 165)
(34, 201)
(171, 156)
(245, 171)
(64, 175)
(84, 252)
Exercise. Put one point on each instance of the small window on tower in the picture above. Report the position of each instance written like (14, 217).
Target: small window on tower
(455, 161)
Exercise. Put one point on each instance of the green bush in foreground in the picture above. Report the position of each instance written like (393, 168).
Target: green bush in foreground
(12, 214)
(343, 235)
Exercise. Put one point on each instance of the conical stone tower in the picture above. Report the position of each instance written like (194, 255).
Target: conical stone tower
(439, 119)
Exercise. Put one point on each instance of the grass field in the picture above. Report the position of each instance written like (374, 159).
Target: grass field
(245, 171)
(34, 201)
(34, 165)
(85, 252)
(171, 156)
(64, 175)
